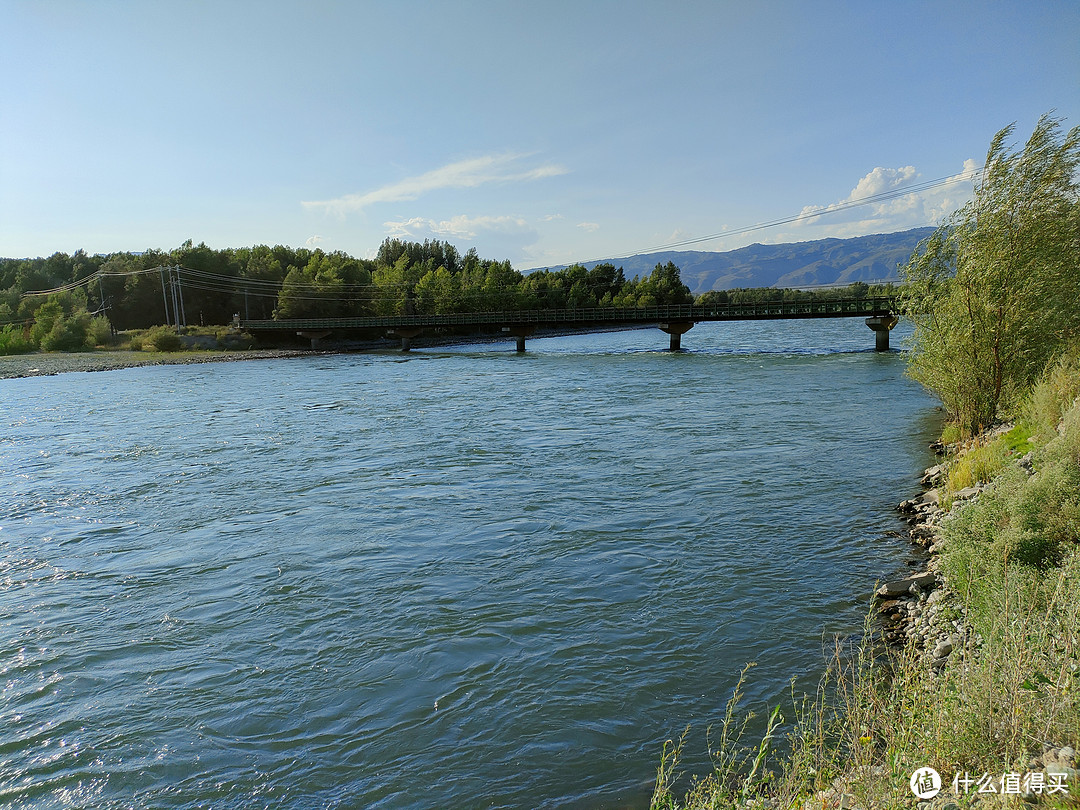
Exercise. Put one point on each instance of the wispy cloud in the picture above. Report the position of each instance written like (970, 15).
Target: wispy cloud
(504, 168)
(589, 226)
(312, 241)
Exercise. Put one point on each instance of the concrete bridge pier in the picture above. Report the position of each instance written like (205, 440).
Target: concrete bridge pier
(406, 333)
(314, 336)
(882, 325)
(520, 332)
(676, 329)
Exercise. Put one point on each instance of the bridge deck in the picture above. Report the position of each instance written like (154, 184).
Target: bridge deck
(839, 308)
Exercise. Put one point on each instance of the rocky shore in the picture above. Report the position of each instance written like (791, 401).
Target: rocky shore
(921, 612)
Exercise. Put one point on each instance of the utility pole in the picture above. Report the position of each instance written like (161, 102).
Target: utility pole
(104, 308)
(164, 297)
(180, 292)
(175, 307)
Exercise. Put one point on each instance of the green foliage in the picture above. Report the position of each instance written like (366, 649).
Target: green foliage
(46, 316)
(98, 331)
(982, 460)
(329, 285)
(993, 292)
(68, 334)
(136, 292)
(1053, 394)
(763, 295)
(164, 339)
(1028, 521)
(14, 340)
(739, 774)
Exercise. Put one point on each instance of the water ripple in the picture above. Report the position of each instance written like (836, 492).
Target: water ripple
(457, 578)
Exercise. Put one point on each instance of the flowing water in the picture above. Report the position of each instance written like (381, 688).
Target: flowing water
(457, 578)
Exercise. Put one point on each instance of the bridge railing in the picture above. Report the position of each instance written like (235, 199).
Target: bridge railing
(843, 307)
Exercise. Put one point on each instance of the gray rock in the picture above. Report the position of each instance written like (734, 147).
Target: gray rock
(902, 586)
(932, 474)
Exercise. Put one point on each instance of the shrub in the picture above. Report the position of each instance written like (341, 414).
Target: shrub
(45, 318)
(164, 339)
(14, 341)
(99, 332)
(1052, 395)
(66, 334)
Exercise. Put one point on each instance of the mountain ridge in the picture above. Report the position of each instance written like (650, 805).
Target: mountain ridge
(874, 257)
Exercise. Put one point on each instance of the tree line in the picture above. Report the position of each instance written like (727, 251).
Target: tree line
(94, 296)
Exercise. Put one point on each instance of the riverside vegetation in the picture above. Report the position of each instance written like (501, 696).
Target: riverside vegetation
(977, 667)
(80, 302)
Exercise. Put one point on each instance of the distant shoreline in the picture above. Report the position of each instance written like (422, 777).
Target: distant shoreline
(45, 364)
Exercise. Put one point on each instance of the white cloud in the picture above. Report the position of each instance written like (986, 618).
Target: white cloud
(470, 173)
(551, 217)
(589, 226)
(878, 202)
(311, 241)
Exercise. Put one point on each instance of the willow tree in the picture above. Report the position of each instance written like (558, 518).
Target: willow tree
(994, 293)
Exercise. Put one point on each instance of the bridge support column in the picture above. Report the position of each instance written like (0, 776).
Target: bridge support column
(520, 332)
(882, 325)
(676, 329)
(315, 337)
(406, 333)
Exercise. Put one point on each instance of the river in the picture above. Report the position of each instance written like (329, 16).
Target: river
(456, 578)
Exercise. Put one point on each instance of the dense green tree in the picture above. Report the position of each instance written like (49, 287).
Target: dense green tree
(993, 293)
(438, 292)
(330, 285)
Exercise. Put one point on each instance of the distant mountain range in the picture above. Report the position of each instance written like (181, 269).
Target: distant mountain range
(793, 264)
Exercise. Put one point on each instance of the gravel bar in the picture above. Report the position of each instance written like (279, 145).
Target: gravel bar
(41, 364)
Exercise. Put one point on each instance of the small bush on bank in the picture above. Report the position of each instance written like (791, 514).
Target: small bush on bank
(67, 334)
(99, 332)
(1053, 395)
(13, 340)
(164, 339)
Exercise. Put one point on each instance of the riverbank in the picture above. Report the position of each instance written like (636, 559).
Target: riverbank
(39, 364)
(965, 689)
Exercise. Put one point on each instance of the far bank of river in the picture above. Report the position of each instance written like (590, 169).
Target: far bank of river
(39, 364)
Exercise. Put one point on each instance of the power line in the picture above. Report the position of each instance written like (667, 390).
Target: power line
(803, 216)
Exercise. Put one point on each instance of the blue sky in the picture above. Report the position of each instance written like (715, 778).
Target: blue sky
(543, 132)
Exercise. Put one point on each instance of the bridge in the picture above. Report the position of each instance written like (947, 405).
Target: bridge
(674, 319)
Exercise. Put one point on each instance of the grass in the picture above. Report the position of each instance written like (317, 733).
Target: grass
(1012, 557)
